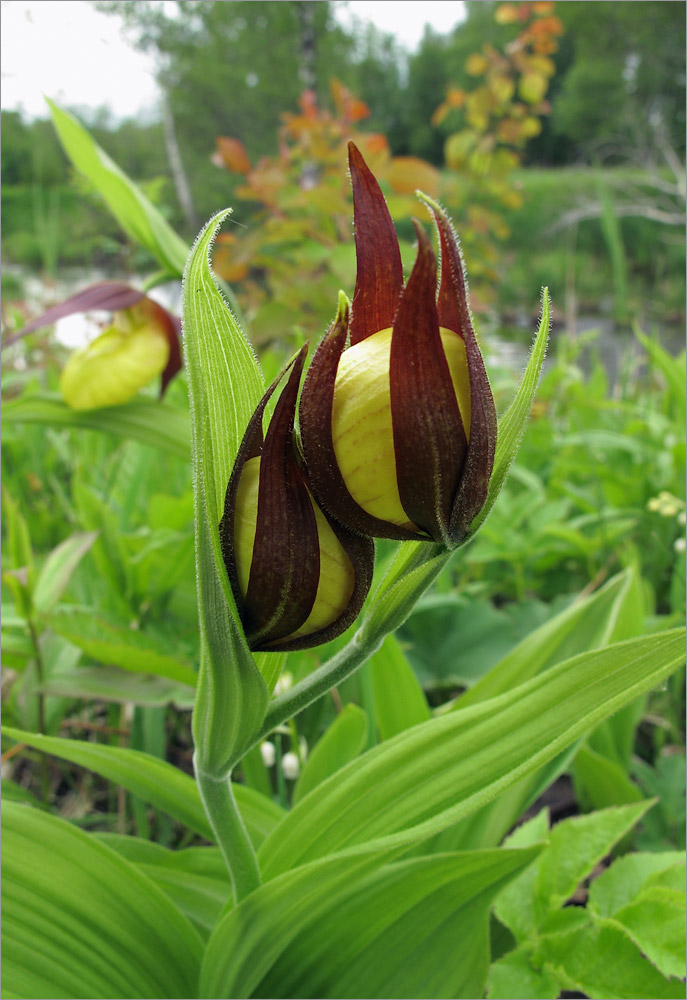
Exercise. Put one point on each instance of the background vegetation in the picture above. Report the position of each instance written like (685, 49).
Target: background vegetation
(555, 136)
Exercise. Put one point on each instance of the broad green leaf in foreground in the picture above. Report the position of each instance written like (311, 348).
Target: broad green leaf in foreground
(155, 781)
(195, 878)
(225, 386)
(80, 921)
(250, 938)
(394, 932)
(426, 778)
(126, 201)
(143, 419)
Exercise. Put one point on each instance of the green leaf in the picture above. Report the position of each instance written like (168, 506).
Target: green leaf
(645, 895)
(250, 937)
(121, 647)
(225, 386)
(655, 921)
(80, 921)
(135, 214)
(575, 846)
(393, 933)
(57, 570)
(604, 781)
(513, 423)
(157, 782)
(195, 878)
(672, 369)
(341, 743)
(587, 624)
(399, 700)
(112, 684)
(627, 876)
(603, 963)
(424, 779)
(513, 977)
(159, 425)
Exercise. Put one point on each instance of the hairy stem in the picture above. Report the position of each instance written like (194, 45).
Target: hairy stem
(230, 832)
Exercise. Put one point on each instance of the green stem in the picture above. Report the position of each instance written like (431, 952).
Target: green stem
(230, 832)
(373, 629)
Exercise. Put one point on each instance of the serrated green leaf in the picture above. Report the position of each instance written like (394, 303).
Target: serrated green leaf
(134, 212)
(399, 700)
(603, 963)
(159, 425)
(57, 570)
(341, 743)
(577, 845)
(627, 876)
(225, 386)
(513, 977)
(655, 920)
(574, 847)
(80, 921)
(155, 781)
(425, 779)
(393, 933)
(513, 423)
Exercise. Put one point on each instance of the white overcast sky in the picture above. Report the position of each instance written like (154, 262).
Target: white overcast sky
(68, 51)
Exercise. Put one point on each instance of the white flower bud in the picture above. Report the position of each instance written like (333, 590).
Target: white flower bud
(290, 765)
(268, 753)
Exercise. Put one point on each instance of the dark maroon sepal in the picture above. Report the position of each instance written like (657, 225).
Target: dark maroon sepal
(429, 439)
(315, 420)
(109, 295)
(361, 552)
(285, 568)
(380, 273)
(454, 314)
(172, 330)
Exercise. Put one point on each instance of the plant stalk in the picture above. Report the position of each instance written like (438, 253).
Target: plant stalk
(230, 832)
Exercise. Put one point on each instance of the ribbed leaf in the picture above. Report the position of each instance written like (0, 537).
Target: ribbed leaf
(394, 933)
(586, 624)
(225, 386)
(155, 781)
(126, 201)
(341, 743)
(80, 921)
(399, 700)
(141, 419)
(428, 777)
(252, 936)
(195, 878)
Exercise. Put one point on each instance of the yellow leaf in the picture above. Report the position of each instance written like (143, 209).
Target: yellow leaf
(407, 173)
